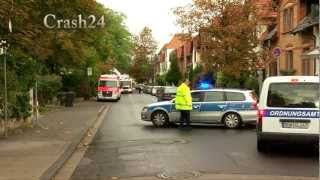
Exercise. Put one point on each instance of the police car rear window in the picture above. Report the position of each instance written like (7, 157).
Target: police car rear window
(293, 95)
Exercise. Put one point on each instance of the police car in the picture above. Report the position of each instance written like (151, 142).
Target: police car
(288, 110)
(230, 107)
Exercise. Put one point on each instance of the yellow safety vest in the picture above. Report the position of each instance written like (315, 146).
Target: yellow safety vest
(183, 98)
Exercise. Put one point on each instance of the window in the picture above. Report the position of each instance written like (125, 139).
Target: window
(197, 96)
(301, 95)
(314, 10)
(273, 69)
(289, 60)
(109, 83)
(235, 96)
(306, 70)
(214, 96)
(288, 19)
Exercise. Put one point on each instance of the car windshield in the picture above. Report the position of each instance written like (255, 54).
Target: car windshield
(293, 95)
(126, 83)
(170, 90)
(108, 83)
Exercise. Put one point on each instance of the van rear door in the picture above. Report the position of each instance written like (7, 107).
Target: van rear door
(292, 107)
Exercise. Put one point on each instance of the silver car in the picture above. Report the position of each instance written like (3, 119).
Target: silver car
(230, 107)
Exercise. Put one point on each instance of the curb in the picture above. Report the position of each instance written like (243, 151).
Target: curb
(69, 149)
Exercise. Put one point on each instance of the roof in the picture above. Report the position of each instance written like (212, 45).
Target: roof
(176, 41)
(290, 78)
(222, 89)
(306, 22)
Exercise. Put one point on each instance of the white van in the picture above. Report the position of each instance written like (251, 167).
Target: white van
(288, 110)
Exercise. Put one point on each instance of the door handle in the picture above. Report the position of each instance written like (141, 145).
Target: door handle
(222, 106)
(196, 106)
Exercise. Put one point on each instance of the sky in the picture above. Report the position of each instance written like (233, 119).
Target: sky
(156, 14)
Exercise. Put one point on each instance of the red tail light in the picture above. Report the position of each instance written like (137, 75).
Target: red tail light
(261, 113)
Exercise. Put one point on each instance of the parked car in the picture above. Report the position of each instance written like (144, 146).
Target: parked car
(166, 93)
(288, 111)
(155, 90)
(231, 107)
(149, 89)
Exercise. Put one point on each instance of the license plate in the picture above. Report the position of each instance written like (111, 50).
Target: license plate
(107, 94)
(295, 125)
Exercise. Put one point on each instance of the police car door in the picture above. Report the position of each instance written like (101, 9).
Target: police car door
(197, 102)
(213, 107)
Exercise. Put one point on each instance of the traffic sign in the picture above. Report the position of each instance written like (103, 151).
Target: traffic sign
(89, 71)
(276, 52)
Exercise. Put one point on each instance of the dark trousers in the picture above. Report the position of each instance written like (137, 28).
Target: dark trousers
(185, 118)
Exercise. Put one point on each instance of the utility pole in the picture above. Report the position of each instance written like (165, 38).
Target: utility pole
(4, 46)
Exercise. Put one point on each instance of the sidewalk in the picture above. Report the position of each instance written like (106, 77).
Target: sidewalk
(37, 153)
(227, 177)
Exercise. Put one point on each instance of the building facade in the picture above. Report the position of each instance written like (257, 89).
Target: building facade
(296, 33)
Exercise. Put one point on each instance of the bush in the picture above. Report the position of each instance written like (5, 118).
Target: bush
(245, 81)
(227, 81)
(174, 75)
(290, 72)
(161, 80)
(252, 83)
(21, 109)
(48, 88)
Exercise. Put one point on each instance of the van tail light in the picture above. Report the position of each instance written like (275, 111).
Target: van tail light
(261, 114)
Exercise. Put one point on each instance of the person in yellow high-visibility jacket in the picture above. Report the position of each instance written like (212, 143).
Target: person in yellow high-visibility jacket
(183, 103)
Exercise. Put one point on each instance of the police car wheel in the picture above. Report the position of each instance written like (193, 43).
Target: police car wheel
(159, 119)
(232, 120)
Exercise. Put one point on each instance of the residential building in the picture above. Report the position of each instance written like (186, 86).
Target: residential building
(296, 34)
(175, 44)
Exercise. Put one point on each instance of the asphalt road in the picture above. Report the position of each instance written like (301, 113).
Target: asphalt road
(125, 146)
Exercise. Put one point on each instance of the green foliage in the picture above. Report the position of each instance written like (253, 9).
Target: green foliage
(144, 49)
(252, 83)
(195, 73)
(290, 72)
(21, 109)
(36, 51)
(174, 75)
(245, 81)
(161, 80)
(48, 88)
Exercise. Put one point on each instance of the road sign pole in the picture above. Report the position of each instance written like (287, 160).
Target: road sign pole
(277, 53)
(278, 66)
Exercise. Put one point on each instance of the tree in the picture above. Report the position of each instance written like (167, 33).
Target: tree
(144, 50)
(174, 75)
(228, 31)
(36, 51)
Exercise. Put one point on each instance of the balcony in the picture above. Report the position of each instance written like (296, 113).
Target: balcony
(312, 18)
